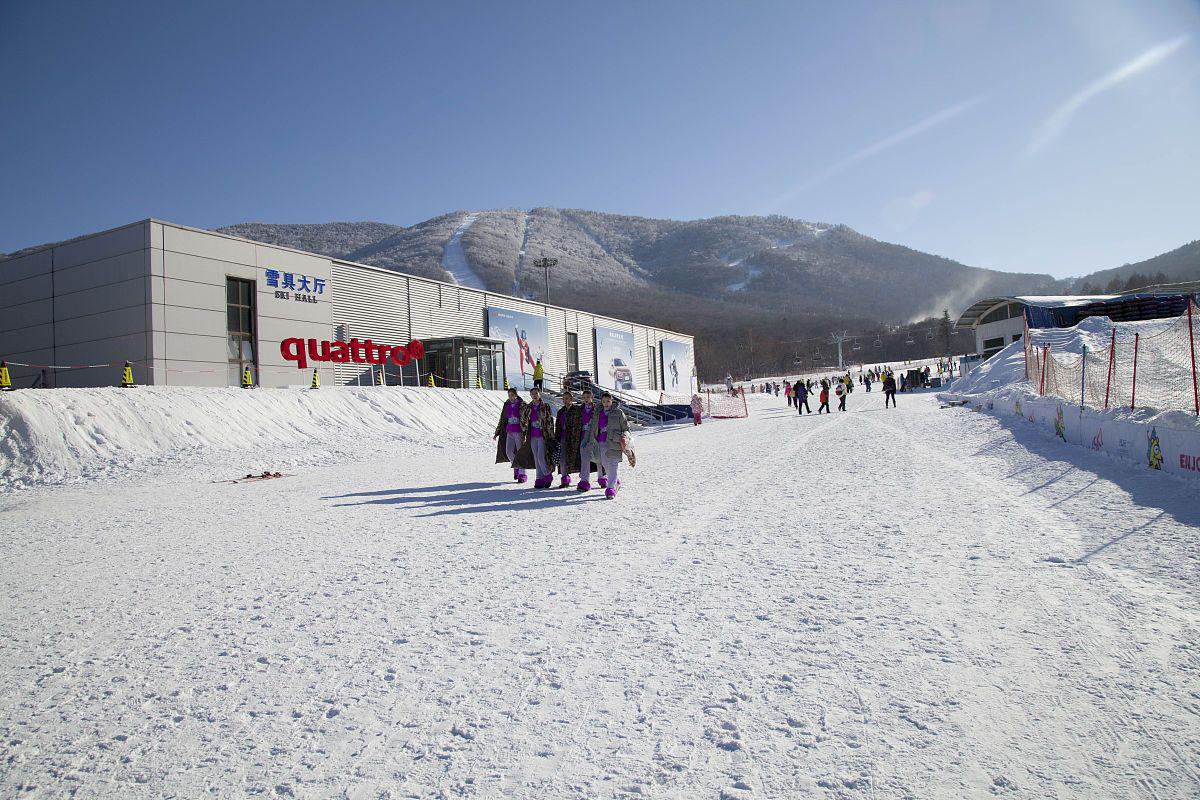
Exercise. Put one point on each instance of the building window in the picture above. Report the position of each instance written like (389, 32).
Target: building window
(572, 352)
(240, 316)
(992, 346)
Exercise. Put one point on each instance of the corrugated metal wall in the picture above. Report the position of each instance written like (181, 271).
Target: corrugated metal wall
(394, 308)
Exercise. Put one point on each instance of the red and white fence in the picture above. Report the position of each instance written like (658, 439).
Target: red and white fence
(1135, 368)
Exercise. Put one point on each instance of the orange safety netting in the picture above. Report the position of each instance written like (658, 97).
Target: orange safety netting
(1139, 366)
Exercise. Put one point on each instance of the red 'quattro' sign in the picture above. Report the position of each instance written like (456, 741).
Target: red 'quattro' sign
(301, 351)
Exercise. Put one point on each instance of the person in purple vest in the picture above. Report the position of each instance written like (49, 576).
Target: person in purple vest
(607, 436)
(508, 434)
(585, 413)
(537, 425)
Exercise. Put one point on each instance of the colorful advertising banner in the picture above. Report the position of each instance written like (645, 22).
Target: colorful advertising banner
(676, 367)
(614, 359)
(526, 339)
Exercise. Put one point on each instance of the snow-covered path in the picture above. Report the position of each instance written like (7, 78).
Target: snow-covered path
(454, 258)
(910, 603)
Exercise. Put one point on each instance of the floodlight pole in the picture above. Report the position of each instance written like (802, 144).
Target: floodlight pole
(545, 263)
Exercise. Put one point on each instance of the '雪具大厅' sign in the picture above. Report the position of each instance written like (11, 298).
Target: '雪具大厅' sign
(301, 351)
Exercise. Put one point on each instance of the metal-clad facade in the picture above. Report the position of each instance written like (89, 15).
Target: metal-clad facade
(156, 290)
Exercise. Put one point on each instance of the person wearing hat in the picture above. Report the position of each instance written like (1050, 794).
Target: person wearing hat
(508, 434)
(607, 436)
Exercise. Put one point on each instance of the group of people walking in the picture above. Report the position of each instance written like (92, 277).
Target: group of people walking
(841, 386)
(581, 438)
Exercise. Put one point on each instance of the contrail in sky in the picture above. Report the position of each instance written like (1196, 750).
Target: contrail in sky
(872, 150)
(1057, 122)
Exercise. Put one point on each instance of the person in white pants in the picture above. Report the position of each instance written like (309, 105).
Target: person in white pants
(588, 410)
(537, 422)
(508, 434)
(606, 434)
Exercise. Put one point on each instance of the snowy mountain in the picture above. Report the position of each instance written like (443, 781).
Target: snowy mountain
(763, 261)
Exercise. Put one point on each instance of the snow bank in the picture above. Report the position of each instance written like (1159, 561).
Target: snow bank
(58, 435)
(1158, 440)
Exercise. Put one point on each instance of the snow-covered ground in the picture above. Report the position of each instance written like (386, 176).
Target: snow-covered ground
(914, 603)
(454, 258)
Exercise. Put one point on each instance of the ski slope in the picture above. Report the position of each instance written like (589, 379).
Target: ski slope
(912, 603)
(454, 257)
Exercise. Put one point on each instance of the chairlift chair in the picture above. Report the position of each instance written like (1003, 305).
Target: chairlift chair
(910, 339)
(929, 335)
(857, 346)
(878, 342)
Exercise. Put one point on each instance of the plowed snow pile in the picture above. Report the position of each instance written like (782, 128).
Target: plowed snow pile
(71, 434)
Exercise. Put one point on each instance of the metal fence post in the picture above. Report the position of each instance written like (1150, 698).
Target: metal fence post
(1112, 357)
(1045, 358)
(1133, 391)
(1192, 342)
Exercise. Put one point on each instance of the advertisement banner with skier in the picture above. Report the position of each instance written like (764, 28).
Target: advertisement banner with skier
(614, 359)
(526, 339)
(676, 367)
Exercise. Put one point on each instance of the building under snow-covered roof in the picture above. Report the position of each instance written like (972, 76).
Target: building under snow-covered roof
(998, 321)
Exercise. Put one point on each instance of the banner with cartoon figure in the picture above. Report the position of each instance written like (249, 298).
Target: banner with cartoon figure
(1153, 445)
(526, 339)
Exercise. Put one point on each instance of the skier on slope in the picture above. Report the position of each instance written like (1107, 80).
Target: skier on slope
(537, 427)
(824, 397)
(787, 392)
(608, 440)
(508, 434)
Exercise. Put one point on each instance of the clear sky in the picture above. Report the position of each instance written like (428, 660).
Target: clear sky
(1033, 135)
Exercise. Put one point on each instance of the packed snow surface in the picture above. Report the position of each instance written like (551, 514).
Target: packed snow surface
(873, 604)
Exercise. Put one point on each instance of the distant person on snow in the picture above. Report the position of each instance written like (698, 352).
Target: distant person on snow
(537, 426)
(824, 398)
(802, 393)
(508, 434)
(787, 392)
(587, 410)
(840, 390)
(607, 438)
(889, 390)
(697, 408)
(729, 383)
(867, 382)
(539, 372)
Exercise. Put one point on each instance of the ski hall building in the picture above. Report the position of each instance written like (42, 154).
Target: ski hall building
(190, 307)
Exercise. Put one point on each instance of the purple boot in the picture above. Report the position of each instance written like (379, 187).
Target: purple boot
(610, 493)
(603, 482)
(565, 482)
(521, 476)
(583, 486)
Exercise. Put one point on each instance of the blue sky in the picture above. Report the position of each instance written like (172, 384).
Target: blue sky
(1025, 136)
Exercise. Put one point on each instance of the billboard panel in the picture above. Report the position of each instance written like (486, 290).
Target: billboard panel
(614, 358)
(526, 339)
(676, 367)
